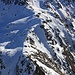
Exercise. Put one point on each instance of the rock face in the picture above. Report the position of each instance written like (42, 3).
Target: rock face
(37, 37)
(19, 2)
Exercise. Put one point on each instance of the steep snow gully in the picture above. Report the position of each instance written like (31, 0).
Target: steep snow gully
(37, 37)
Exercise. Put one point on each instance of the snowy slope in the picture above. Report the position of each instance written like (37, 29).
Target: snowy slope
(37, 37)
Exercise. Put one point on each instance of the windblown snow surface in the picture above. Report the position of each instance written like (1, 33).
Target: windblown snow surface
(37, 37)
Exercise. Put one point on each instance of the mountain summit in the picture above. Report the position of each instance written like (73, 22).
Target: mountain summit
(37, 37)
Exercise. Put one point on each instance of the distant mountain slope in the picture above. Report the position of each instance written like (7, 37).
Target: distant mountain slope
(37, 37)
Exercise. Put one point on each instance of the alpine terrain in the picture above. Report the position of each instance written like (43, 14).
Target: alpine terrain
(37, 37)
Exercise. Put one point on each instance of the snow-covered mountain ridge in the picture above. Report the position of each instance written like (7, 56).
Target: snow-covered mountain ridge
(37, 37)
